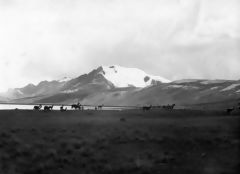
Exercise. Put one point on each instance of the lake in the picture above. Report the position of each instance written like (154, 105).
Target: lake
(57, 107)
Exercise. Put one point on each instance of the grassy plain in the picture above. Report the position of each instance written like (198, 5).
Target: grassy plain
(119, 142)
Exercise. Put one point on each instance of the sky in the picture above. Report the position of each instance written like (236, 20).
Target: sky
(175, 39)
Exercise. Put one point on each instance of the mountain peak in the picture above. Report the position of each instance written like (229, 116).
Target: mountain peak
(125, 77)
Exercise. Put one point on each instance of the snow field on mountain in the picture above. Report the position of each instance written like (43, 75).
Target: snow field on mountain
(125, 77)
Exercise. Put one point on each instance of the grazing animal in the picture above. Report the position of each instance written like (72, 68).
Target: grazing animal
(62, 110)
(169, 107)
(48, 108)
(100, 107)
(146, 108)
(76, 106)
(37, 107)
(229, 110)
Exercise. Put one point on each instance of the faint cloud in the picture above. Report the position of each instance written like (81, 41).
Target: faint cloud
(174, 38)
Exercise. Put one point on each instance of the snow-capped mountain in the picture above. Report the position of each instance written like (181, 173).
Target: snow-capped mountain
(104, 77)
(117, 85)
(122, 77)
(109, 77)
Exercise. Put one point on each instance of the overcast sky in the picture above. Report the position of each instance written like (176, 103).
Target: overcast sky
(176, 39)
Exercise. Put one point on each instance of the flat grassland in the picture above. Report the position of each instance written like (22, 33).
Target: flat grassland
(119, 142)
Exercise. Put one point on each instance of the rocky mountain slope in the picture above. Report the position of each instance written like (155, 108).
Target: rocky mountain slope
(101, 79)
(116, 85)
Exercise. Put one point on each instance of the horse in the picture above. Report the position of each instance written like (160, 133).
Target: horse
(76, 106)
(100, 107)
(229, 110)
(48, 108)
(170, 107)
(37, 107)
(146, 108)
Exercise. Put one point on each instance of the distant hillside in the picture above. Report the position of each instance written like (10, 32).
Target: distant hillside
(112, 86)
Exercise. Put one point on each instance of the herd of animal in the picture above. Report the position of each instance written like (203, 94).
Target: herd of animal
(46, 108)
(166, 107)
(49, 108)
(78, 106)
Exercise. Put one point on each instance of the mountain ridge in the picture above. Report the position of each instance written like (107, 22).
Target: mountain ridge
(109, 85)
(99, 77)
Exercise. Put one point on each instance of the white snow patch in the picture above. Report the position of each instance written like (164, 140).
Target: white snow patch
(125, 77)
(213, 88)
(70, 91)
(176, 86)
(181, 86)
(64, 79)
(186, 81)
(206, 82)
(230, 87)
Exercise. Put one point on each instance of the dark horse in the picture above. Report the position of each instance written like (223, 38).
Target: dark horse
(48, 108)
(146, 108)
(169, 107)
(76, 106)
(37, 107)
(100, 107)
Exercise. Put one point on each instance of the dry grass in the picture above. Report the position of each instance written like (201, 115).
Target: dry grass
(179, 141)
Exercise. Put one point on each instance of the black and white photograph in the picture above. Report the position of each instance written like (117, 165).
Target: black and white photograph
(119, 86)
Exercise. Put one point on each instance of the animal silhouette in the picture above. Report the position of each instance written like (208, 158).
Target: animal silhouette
(37, 107)
(100, 107)
(76, 106)
(146, 108)
(169, 107)
(48, 108)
